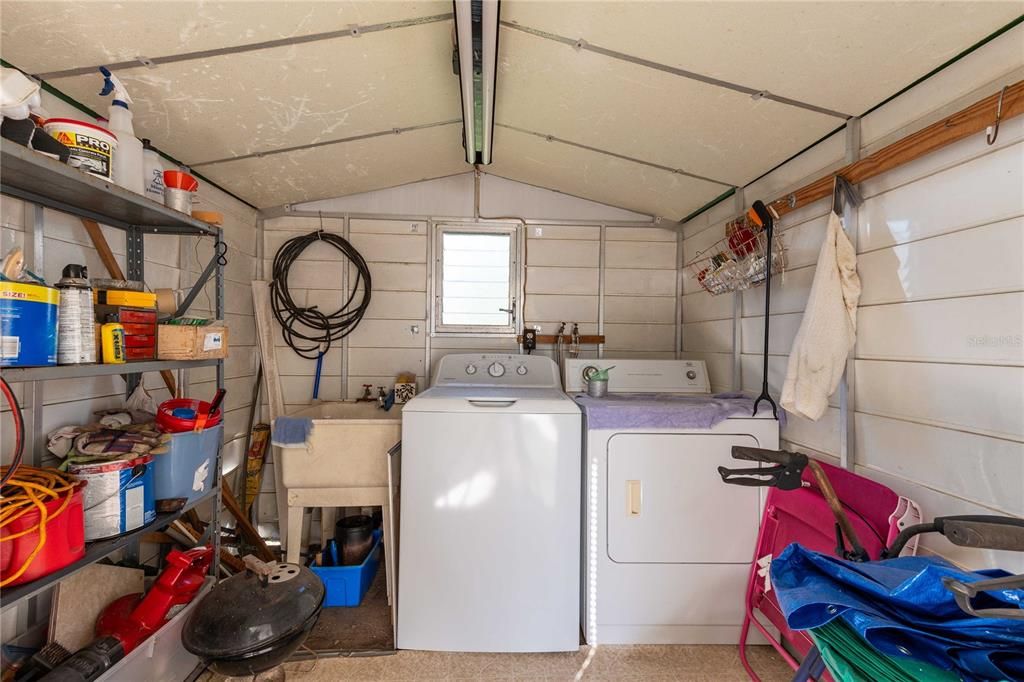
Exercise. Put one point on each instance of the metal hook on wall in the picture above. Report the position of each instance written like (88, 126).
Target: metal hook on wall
(843, 194)
(992, 132)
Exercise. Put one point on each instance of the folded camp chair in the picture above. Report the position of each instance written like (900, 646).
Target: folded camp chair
(907, 619)
(797, 510)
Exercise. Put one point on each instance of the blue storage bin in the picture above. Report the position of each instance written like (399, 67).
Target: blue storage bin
(347, 585)
(189, 469)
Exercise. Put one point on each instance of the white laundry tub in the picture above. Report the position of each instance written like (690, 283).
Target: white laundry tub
(346, 464)
(348, 446)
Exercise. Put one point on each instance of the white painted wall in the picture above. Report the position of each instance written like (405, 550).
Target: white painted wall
(939, 370)
(630, 295)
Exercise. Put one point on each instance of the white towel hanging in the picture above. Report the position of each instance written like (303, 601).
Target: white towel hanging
(828, 330)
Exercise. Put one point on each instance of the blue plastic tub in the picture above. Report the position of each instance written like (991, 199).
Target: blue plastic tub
(189, 469)
(347, 585)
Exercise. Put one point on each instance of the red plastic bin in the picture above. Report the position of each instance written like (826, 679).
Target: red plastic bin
(65, 540)
(168, 423)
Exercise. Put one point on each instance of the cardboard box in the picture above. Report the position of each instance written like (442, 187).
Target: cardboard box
(184, 342)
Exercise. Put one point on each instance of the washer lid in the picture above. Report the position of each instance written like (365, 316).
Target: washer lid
(492, 400)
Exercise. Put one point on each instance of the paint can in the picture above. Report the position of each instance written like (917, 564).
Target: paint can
(28, 325)
(92, 148)
(76, 330)
(119, 496)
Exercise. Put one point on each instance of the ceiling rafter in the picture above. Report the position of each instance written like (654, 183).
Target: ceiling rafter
(581, 44)
(623, 157)
(327, 143)
(353, 31)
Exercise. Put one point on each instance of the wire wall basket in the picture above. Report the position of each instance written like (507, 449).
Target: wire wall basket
(737, 261)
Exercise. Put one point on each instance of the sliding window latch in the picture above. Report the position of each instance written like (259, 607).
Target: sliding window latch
(511, 311)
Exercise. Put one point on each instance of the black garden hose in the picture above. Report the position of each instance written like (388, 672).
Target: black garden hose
(308, 330)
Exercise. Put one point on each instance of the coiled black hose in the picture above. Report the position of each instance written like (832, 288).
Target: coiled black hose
(308, 330)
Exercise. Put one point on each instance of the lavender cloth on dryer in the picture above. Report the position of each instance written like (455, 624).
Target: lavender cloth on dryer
(664, 410)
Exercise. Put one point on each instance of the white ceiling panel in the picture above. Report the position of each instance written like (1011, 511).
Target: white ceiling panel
(590, 175)
(221, 107)
(552, 88)
(845, 56)
(44, 36)
(340, 169)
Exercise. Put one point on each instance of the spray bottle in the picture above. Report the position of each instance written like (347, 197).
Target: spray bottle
(152, 172)
(128, 157)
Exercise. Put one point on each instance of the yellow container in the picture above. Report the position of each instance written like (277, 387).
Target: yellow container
(112, 337)
(123, 297)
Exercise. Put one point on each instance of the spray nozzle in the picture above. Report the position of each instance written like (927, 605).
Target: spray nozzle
(113, 84)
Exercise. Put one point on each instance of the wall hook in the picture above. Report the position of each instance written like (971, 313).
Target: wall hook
(992, 132)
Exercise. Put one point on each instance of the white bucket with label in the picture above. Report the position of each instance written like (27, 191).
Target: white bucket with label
(119, 497)
(92, 148)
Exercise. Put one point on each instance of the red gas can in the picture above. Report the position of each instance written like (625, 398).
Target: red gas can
(65, 540)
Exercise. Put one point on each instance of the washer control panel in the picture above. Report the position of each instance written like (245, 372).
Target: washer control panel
(640, 376)
(492, 369)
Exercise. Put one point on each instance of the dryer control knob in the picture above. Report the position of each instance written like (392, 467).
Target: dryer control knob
(691, 375)
(521, 370)
(496, 370)
(471, 369)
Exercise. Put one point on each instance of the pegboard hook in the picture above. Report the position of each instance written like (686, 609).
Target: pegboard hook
(992, 132)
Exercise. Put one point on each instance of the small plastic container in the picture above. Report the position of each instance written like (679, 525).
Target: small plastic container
(169, 423)
(347, 585)
(189, 469)
(65, 540)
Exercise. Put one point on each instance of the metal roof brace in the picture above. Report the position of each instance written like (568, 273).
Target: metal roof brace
(992, 132)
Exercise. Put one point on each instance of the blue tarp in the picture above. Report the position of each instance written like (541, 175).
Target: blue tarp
(901, 608)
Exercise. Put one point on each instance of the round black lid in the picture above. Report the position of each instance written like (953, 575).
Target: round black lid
(247, 612)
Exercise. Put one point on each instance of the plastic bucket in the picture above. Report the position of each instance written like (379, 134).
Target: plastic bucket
(92, 148)
(169, 423)
(28, 325)
(354, 535)
(119, 497)
(65, 540)
(189, 468)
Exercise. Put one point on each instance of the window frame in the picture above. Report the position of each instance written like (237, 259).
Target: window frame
(438, 328)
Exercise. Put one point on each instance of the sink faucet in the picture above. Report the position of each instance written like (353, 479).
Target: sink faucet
(381, 397)
(366, 397)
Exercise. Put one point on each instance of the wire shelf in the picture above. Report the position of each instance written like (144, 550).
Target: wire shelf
(737, 261)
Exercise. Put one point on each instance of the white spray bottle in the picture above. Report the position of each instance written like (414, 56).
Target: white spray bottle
(128, 171)
(152, 172)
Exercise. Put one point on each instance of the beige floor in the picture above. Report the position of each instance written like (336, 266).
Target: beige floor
(619, 663)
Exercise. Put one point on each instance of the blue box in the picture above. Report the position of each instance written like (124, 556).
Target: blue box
(189, 469)
(347, 585)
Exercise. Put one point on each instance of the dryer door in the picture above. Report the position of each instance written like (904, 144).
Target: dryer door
(667, 503)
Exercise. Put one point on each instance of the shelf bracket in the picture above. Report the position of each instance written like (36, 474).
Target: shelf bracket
(218, 259)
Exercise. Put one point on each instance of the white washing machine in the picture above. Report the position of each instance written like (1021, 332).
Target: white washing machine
(490, 530)
(667, 545)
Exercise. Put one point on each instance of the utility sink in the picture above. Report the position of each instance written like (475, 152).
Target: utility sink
(348, 448)
(349, 409)
(346, 464)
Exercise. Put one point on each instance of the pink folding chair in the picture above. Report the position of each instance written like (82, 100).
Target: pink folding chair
(800, 513)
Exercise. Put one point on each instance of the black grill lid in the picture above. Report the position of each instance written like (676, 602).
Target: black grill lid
(248, 612)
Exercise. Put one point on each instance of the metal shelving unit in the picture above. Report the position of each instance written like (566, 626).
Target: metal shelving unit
(13, 374)
(46, 183)
(94, 551)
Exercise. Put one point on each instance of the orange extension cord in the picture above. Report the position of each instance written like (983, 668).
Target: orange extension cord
(33, 488)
